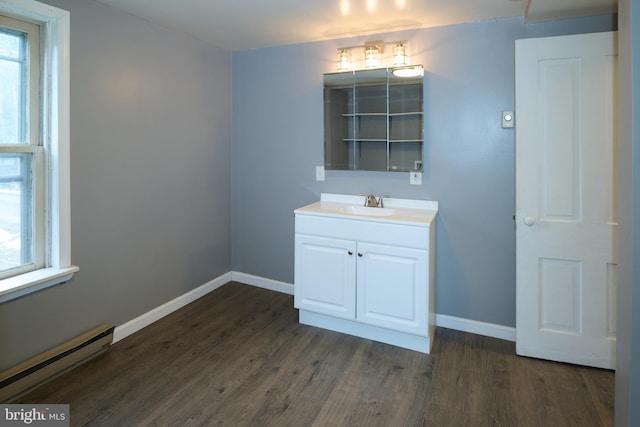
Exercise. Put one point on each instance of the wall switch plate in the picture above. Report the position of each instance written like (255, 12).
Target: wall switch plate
(319, 173)
(415, 178)
(507, 119)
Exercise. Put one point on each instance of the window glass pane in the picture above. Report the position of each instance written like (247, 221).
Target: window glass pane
(16, 225)
(13, 89)
(9, 45)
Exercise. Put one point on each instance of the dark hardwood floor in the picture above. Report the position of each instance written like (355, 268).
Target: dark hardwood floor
(238, 357)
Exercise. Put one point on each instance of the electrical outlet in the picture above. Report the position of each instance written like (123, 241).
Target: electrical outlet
(415, 178)
(319, 173)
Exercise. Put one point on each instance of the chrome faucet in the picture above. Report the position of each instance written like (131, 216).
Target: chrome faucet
(371, 202)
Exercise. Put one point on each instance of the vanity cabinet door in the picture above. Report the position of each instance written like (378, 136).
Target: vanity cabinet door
(325, 273)
(392, 287)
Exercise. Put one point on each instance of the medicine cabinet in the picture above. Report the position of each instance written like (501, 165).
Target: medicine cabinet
(373, 120)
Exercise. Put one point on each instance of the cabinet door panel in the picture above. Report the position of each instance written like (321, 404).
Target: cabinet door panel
(324, 276)
(392, 288)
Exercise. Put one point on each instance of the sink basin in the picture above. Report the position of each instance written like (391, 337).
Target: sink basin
(364, 210)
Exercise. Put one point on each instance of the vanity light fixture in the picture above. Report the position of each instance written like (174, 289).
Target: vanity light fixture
(373, 51)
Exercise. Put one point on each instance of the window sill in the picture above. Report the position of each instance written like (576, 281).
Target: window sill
(33, 281)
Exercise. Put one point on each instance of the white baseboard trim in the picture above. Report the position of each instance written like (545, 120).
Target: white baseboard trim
(442, 320)
(261, 282)
(134, 325)
(475, 327)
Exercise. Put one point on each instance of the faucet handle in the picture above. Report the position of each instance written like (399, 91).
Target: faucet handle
(380, 204)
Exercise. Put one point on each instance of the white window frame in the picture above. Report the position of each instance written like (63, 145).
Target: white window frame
(55, 45)
(31, 144)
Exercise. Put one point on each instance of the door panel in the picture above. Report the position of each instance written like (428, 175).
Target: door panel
(392, 287)
(559, 95)
(324, 276)
(560, 295)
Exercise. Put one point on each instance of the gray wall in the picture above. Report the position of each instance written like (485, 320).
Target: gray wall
(150, 178)
(469, 158)
(628, 331)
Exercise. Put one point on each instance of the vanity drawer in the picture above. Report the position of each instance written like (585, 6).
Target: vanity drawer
(412, 236)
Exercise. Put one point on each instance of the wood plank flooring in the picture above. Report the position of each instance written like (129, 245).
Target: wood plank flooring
(238, 357)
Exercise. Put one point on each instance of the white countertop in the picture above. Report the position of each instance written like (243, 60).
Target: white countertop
(416, 212)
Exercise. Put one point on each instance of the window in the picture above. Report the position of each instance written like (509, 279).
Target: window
(34, 148)
(21, 172)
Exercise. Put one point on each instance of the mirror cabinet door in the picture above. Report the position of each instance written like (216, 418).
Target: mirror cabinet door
(370, 120)
(406, 125)
(338, 121)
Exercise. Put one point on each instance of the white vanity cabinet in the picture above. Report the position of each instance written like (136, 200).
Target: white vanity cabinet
(367, 274)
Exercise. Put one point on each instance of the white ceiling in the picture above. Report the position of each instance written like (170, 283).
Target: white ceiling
(249, 24)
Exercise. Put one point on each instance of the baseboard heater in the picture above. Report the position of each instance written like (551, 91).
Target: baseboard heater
(21, 379)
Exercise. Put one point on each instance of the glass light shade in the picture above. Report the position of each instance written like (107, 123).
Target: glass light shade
(344, 60)
(400, 55)
(416, 71)
(371, 56)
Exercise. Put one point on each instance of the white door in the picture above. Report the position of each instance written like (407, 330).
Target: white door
(325, 275)
(566, 198)
(392, 288)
